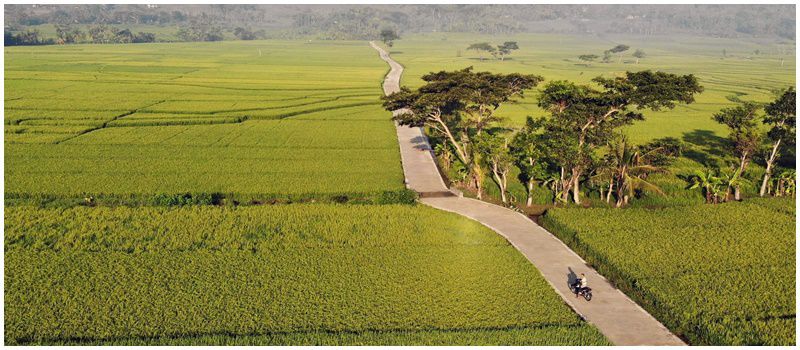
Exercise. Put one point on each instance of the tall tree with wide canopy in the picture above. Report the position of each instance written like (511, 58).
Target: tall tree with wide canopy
(587, 117)
(459, 106)
(528, 153)
(481, 47)
(506, 48)
(494, 150)
(781, 117)
(744, 135)
(388, 36)
(619, 49)
(639, 54)
(588, 58)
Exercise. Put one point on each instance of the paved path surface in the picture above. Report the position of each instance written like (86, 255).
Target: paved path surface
(612, 312)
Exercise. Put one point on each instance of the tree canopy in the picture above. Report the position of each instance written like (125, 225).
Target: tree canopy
(388, 36)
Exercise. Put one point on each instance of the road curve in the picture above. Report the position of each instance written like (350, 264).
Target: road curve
(621, 320)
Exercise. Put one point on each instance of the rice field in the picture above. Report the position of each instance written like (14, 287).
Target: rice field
(302, 121)
(739, 75)
(268, 117)
(290, 274)
(717, 275)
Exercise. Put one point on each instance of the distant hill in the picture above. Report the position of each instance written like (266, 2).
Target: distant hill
(220, 22)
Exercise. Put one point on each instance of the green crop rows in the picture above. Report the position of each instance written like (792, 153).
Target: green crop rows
(257, 119)
(715, 274)
(740, 75)
(298, 274)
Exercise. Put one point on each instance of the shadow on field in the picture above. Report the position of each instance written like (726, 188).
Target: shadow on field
(706, 147)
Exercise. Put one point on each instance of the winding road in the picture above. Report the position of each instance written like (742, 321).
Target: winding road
(621, 320)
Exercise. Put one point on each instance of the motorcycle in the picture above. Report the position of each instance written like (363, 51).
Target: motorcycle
(579, 291)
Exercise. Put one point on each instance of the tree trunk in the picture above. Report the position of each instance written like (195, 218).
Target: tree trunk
(504, 187)
(460, 151)
(477, 173)
(530, 194)
(610, 190)
(768, 171)
(499, 178)
(564, 186)
(743, 160)
(576, 190)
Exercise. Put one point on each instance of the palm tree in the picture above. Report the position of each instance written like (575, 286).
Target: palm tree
(786, 183)
(709, 181)
(734, 181)
(626, 170)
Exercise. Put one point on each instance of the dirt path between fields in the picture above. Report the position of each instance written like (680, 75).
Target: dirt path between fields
(621, 320)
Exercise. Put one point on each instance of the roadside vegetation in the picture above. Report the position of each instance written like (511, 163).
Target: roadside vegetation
(574, 146)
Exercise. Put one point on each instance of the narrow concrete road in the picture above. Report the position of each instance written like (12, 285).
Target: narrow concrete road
(621, 320)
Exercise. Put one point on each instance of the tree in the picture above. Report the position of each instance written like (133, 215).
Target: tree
(481, 47)
(142, 37)
(584, 117)
(459, 105)
(588, 58)
(606, 56)
(123, 36)
(619, 49)
(101, 34)
(744, 134)
(200, 29)
(626, 169)
(780, 116)
(506, 48)
(388, 36)
(709, 181)
(639, 54)
(786, 183)
(495, 152)
(528, 154)
(244, 33)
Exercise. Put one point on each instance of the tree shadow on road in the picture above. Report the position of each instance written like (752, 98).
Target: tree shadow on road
(420, 143)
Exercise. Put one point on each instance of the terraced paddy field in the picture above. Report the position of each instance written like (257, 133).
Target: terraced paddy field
(138, 127)
(246, 119)
(714, 274)
(285, 274)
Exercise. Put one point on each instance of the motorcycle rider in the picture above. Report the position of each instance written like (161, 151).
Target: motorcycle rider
(582, 284)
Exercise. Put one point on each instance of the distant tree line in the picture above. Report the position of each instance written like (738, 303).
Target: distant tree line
(367, 21)
(97, 34)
